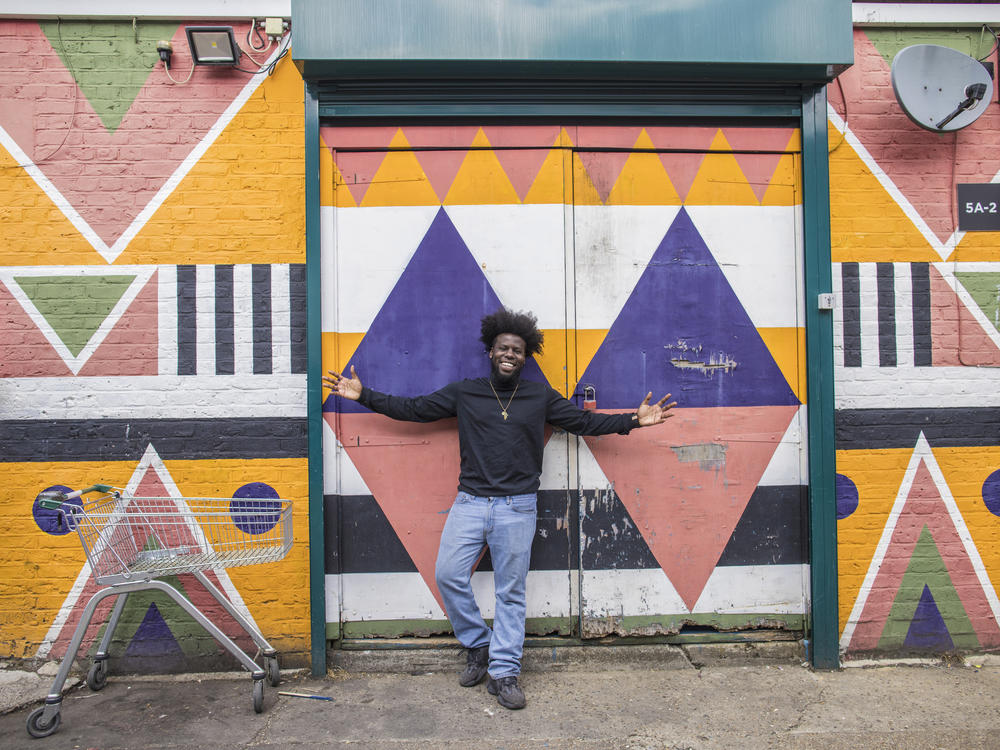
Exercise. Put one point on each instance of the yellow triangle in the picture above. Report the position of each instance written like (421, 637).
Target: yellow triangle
(584, 192)
(555, 175)
(338, 348)
(788, 347)
(332, 190)
(400, 180)
(481, 180)
(877, 474)
(567, 354)
(966, 471)
(33, 231)
(720, 181)
(866, 224)
(225, 212)
(977, 246)
(643, 180)
(785, 188)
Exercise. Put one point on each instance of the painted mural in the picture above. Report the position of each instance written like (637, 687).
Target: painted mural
(152, 333)
(659, 259)
(916, 350)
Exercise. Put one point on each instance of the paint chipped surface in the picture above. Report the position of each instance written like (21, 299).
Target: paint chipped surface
(710, 456)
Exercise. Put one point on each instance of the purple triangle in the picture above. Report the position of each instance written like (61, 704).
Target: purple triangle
(427, 332)
(927, 629)
(153, 637)
(683, 331)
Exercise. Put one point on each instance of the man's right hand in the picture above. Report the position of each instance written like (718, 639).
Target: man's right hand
(344, 386)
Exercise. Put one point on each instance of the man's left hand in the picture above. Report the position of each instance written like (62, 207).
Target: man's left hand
(650, 414)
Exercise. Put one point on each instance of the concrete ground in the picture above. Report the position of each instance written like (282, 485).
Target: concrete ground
(620, 698)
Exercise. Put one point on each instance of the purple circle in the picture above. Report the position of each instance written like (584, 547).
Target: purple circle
(255, 508)
(847, 497)
(991, 493)
(48, 520)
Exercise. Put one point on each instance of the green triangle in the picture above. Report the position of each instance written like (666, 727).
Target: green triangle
(927, 568)
(967, 41)
(110, 60)
(75, 306)
(985, 290)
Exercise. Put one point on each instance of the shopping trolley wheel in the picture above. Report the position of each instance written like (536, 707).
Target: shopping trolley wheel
(258, 695)
(97, 675)
(273, 672)
(36, 728)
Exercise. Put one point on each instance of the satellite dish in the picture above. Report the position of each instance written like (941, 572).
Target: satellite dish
(939, 88)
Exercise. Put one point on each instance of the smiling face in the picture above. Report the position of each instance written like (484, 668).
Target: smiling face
(507, 357)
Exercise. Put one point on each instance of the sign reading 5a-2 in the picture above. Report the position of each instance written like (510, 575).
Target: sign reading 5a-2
(979, 208)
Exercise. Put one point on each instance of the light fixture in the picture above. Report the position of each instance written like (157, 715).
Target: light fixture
(212, 45)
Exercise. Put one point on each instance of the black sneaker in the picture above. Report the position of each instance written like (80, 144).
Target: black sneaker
(477, 660)
(508, 692)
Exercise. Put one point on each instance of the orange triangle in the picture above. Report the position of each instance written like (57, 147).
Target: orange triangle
(643, 180)
(720, 181)
(481, 180)
(788, 347)
(686, 483)
(555, 175)
(400, 180)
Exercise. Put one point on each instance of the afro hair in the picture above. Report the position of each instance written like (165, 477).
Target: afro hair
(522, 324)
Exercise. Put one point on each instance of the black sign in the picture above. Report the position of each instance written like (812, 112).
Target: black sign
(979, 208)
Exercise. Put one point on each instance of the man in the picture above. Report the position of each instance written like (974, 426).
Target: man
(501, 424)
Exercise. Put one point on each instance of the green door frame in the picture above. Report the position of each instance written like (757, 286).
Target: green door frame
(808, 105)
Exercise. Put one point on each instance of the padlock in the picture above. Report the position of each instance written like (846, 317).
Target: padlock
(589, 397)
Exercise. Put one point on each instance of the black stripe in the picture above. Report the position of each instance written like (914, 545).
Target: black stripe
(867, 429)
(772, 530)
(261, 292)
(297, 305)
(886, 279)
(368, 543)
(187, 321)
(225, 353)
(921, 283)
(851, 295)
(127, 439)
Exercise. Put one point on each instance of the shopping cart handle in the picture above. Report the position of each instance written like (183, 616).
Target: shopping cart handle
(53, 499)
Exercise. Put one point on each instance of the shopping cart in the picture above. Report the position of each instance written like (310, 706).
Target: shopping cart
(131, 541)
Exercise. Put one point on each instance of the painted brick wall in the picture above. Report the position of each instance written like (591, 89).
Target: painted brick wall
(916, 352)
(152, 333)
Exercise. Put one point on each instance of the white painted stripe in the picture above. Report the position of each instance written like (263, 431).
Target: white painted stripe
(838, 316)
(948, 15)
(281, 320)
(204, 300)
(243, 319)
(915, 387)
(868, 293)
(904, 314)
(328, 269)
(167, 320)
(753, 589)
(786, 464)
(142, 397)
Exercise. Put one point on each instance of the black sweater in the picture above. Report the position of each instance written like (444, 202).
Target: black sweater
(499, 457)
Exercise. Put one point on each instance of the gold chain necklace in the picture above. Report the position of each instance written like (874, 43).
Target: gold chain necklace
(503, 409)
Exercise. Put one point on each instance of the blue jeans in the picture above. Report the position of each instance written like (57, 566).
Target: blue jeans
(507, 526)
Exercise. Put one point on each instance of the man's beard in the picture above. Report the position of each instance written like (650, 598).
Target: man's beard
(501, 378)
